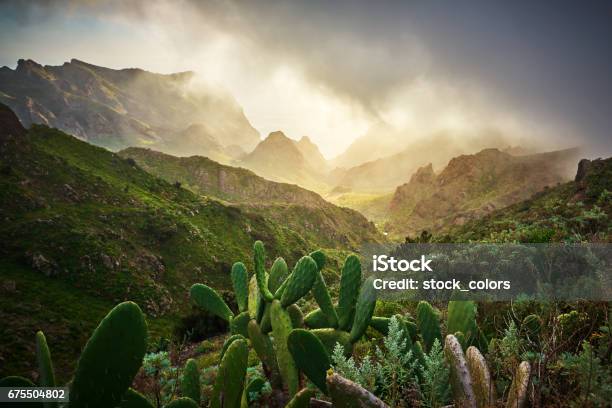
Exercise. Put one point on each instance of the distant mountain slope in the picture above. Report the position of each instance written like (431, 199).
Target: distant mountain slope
(282, 159)
(301, 210)
(577, 211)
(472, 186)
(386, 173)
(127, 107)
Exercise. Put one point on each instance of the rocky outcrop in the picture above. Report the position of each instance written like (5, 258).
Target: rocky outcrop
(10, 126)
(471, 186)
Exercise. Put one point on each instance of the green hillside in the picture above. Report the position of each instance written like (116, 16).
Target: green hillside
(575, 211)
(299, 209)
(95, 229)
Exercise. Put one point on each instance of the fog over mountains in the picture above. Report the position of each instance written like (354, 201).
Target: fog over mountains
(128, 107)
(381, 173)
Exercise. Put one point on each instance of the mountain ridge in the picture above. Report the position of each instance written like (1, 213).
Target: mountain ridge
(122, 108)
(471, 186)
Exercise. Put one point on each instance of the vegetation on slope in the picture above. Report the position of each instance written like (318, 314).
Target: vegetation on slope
(300, 210)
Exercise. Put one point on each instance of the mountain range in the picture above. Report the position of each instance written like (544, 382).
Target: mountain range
(471, 186)
(84, 228)
(129, 107)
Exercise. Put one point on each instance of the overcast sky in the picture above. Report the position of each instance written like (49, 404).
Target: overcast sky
(330, 70)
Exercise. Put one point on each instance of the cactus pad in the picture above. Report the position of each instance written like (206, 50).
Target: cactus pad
(310, 356)
(259, 259)
(111, 358)
(329, 338)
(45, 364)
(281, 327)
(278, 274)
(300, 281)
(190, 381)
(229, 383)
(366, 302)
(240, 283)
(238, 324)
(428, 323)
(350, 281)
(209, 300)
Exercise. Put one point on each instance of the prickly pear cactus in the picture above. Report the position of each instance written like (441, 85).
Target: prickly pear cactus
(461, 381)
(259, 260)
(278, 274)
(190, 381)
(227, 392)
(517, 396)
(111, 358)
(428, 322)
(281, 327)
(300, 281)
(208, 299)
(238, 324)
(265, 351)
(316, 320)
(296, 315)
(350, 281)
(229, 341)
(462, 318)
(366, 302)
(310, 356)
(240, 282)
(329, 338)
(481, 378)
(45, 364)
(254, 297)
(321, 294)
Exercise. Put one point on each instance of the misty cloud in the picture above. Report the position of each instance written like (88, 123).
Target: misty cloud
(333, 69)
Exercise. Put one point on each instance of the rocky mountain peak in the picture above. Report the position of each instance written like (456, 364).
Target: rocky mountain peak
(424, 174)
